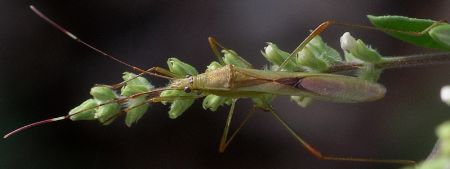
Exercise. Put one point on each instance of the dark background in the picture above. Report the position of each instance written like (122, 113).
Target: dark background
(44, 74)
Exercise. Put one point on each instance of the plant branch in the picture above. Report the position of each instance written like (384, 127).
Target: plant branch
(397, 62)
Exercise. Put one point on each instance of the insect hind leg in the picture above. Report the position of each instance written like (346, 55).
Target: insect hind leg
(316, 153)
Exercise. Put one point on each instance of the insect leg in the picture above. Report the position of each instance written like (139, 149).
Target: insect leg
(154, 71)
(214, 47)
(223, 140)
(224, 143)
(316, 153)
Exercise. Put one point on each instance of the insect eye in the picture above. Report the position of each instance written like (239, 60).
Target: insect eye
(187, 89)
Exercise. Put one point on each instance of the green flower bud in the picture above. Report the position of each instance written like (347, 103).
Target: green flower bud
(348, 42)
(302, 101)
(443, 133)
(137, 85)
(366, 53)
(323, 52)
(264, 101)
(87, 108)
(136, 109)
(359, 50)
(180, 68)
(369, 73)
(276, 56)
(307, 59)
(441, 34)
(232, 58)
(350, 58)
(213, 65)
(103, 93)
(177, 107)
(212, 102)
(107, 113)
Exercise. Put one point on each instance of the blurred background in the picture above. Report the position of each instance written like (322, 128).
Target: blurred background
(44, 74)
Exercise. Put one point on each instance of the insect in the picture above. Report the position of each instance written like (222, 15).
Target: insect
(304, 74)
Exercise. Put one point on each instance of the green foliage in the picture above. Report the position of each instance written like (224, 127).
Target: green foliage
(441, 34)
(401, 23)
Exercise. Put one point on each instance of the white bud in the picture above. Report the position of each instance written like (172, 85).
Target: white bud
(445, 94)
(348, 42)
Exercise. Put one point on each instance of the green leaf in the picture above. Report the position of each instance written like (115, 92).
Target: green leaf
(441, 34)
(402, 23)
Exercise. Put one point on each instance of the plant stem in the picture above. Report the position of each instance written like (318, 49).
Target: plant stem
(397, 62)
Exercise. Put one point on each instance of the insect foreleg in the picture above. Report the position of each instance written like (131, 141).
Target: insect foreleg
(224, 143)
(302, 45)
(316, 153)
(223, 140)
(154, 71)
(214, 47)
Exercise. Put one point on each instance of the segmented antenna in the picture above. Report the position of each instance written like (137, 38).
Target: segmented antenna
(157, 90)
(35, 124)
(63, 30)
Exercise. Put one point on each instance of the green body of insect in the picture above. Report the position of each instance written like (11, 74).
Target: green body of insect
(232, 81)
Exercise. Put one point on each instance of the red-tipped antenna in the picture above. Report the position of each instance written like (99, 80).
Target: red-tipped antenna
(62, 29)
(35, 124)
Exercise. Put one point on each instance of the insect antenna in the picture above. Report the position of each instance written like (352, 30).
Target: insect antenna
(72, 36)
(54, 119)
(34, 124)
